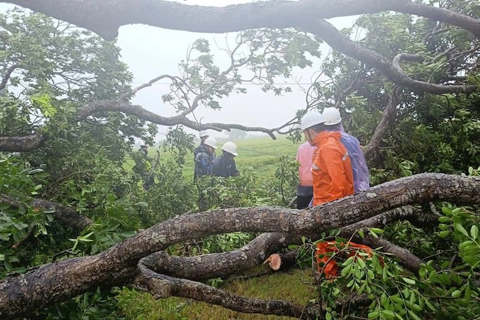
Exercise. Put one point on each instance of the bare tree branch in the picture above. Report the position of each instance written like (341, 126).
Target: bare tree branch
(383, 125)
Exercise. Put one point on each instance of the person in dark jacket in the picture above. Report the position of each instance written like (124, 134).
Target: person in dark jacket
(224, 165)
(204, 155)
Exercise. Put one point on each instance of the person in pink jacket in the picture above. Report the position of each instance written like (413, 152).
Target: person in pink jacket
(305, 187)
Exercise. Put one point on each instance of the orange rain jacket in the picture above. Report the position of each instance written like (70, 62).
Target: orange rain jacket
(327, 263)
(331, 169)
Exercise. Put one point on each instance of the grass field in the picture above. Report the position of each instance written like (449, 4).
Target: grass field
(260, 154)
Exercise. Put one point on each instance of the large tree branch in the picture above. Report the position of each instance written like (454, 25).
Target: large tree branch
(139, 111)
(162, 286)
(106, 17)
(343, 44)
(65, 279)
(215, 265)
(35, 141)
(21, 144)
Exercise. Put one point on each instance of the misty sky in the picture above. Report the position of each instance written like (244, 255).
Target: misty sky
(150, 52)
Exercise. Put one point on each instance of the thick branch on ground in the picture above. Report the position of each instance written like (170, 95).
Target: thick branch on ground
(21, 144)
(64, 214)
(62, 280)
(161, 286)
(106, 17)
(407, 259)
(382, 127)
(343, 44)
(216, 265)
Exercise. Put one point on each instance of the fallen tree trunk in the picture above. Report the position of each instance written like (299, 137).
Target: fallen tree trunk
(62, 280)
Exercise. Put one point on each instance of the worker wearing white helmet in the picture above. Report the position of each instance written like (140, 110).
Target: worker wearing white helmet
(331, 168)
(203, 157)
(361, 175)
(224, 165)
(203, 134)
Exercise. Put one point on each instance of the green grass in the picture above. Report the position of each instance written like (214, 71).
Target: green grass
(260, 155)
(292, 286)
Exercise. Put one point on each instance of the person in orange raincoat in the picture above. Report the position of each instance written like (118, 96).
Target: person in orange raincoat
(331, 168)
(332, 179)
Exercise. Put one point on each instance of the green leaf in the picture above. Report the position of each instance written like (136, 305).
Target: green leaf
(388, 313)
(409, 281)
(461, 229)
(474, 231)
(413, 315)
(444, 234)
(376, 230)
(456, 293)
(361, 234)
(444, 219)
(44, 103)
(429, 305)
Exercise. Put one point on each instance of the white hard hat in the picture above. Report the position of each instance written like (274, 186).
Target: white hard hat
(210, 141)
(230, 147)
(331, 116)
(310, 119)
(203, 133)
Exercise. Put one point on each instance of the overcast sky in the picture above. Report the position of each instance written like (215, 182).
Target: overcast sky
(150, 52)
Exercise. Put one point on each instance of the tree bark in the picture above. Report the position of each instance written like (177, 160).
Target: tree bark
(62, 280)
(21, 144)
(105, 17)
(207, 266)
